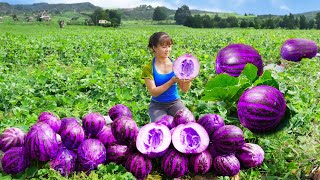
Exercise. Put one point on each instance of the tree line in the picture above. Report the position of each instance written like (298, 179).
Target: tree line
(184, 17)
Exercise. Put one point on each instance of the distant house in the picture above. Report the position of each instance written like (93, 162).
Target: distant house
(45, 18)
(103, 22)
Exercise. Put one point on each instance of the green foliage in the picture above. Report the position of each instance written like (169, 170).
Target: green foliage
(159, 14)
(182, 14)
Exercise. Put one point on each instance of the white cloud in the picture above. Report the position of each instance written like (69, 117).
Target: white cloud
(280, 4)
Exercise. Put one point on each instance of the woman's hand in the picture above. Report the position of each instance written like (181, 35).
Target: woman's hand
(184, 84)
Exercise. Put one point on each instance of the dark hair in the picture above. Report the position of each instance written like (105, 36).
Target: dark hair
(159, 38)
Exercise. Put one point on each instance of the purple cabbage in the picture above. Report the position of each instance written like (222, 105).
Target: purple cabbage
(183, 116)
(11, 137)
(233, 58)
(250, 155)
(125, 130)
(15, 160)
(64, 162)
(41, 142)
(139, 165)
(201, 163)
(118, 111)
(153, 140)
(52, 120)
(68, 120)
(226, 165)
(117, 153)
(91, 153)
(186, 67)
(167, 120)
(93, 123)
(228, 139)
(190, 138)
(72, 135)
(261, 108)
(211, 122)
(106, 136)
(297, 48)
(174, 164)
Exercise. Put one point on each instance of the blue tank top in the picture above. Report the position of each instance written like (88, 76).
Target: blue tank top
(170, 94)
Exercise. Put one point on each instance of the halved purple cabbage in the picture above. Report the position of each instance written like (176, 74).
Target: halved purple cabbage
(72, 135)
(261, 108)
(250, 155)
(201, 163)
(125, 130)
(119, 110)
(49, 118)
(11, 137)
(183, 116)
(68, 120)
(297, 48)
(186, 67)
(117, 153)
(41, 142)
(106, 136)
(233, 58)
(190, 138)
(174, 164)
(167, 120)
(211, 122)
(92, 123)
(153, 140)
(228, 139)
(64, 162)
(139, 165)
(91, 153)
(15, 160)
(226, 165)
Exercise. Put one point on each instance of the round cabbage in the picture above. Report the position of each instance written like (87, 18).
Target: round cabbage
(106, 136)
(49, 118)
(250, 155)
(72, 135)
(11, 137)
(261, 108)
(68, 120)
(226, 165)
(15, 160)
(183, 116)
(190, 138)
(174, 164)
(201, 163)
(64, 162)
(186, 67)
(93, 123)
(297, 48)
(233, 58)
(153, 140)
(139, 165)
(118, 111)
(117, 153)
(125, 130)
(167, 120)
(211, 122)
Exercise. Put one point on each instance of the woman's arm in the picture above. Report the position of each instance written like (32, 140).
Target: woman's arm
(156, 91)
(184, 85)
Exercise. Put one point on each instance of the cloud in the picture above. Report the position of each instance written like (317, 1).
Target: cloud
(280, 5)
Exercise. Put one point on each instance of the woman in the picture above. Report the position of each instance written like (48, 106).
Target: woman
(160, 79)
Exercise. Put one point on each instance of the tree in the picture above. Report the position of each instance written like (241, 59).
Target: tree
(98, 14)
(182, 14)
(291, 24)
(318, 20)
(244, 23)
(302, 22)
(207, 21)
(159, 14)
(114, 17)
(232, 21)
(269, 23)
(311, 24)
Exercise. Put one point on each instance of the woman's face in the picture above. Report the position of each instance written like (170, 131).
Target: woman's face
(162, 50)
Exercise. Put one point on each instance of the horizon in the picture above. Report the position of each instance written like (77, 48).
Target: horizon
(273, 7)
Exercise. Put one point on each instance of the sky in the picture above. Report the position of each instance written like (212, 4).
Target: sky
(257, 7)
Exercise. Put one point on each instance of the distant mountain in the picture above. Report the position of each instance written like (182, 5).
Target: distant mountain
(309, 15)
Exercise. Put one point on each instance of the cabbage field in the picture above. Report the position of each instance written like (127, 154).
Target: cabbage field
(79, 69)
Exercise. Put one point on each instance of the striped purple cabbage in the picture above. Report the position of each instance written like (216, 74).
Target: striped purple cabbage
(261, 108)
(190, 138)
(183, 116)
(211, 122)
(72, 135)
(125, 130)
(106, 136)
(233, 58)
(41, 142)
(201, 163)
(119, 110)
(68, 120)
(117, 153)
(174, 164)
(153, 140)
(139, 165)
(226, 165)
(228, 139)
(297, 48)
(15, 160)
(250, 155)
(64, 162)
(11, 137)
(49, 118)
(167, 120)
(91, 153)
(92, 123)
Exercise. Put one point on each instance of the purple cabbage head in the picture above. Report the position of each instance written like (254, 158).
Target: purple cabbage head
(93, 123)
(15, 160)
(41, 142)
(297, 48)
(91, 153)
(118, 111)
(139, 165)
(153, 140)
(226, 165)
(201, 163)
(174, 164)
(11, 137)
(125, 130)
(68, 120)
(183, 116)
(64, 162)
(49, 118)
(106, 136)
(261, 108)
(250, 155)
(72, 135)
(117, 153)
(186, 67)
(166, 120)
(211, 122)
(233, 58)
